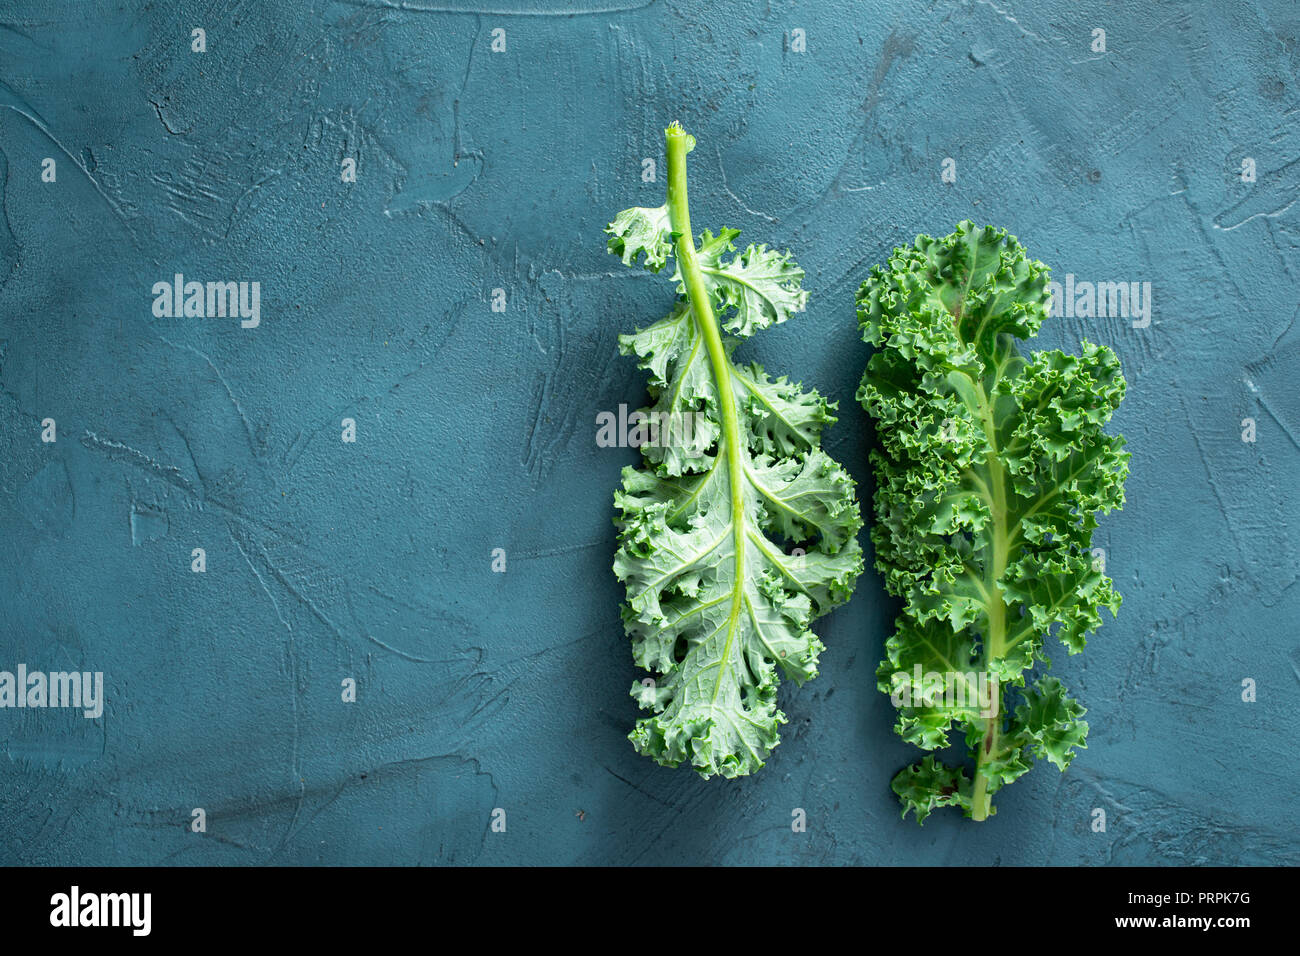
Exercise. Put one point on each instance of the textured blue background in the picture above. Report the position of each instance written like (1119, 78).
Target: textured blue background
(480, 170)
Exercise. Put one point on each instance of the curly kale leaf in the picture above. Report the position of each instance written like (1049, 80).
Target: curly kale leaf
(737, 531)
(991, 472)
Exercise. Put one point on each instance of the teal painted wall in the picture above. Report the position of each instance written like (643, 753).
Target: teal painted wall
(475, 429)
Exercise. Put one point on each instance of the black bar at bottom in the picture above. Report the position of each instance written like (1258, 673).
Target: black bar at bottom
(338, 905)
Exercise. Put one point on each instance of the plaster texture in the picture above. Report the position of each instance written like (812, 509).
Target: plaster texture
(480, 170)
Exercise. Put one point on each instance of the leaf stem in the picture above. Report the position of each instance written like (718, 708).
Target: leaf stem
(679, 143)
(995, 640)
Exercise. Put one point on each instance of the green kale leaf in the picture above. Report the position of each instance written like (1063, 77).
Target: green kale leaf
(991, 471)
(737, 531)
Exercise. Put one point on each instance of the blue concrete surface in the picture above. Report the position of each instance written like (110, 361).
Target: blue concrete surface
(480, 170)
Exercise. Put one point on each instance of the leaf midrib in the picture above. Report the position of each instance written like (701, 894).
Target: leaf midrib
(702, 306)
